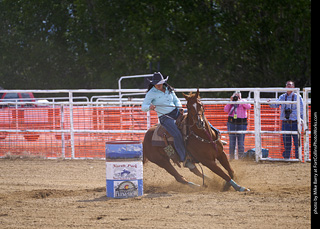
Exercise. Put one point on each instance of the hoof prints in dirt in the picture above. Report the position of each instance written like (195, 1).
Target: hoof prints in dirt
(48, 193)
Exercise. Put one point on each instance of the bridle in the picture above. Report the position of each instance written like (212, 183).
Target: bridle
(200, 124)
(198, 119)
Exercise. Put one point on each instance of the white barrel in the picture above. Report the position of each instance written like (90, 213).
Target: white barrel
(124, 169)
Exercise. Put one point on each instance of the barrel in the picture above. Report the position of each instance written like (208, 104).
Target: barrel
(124, 170)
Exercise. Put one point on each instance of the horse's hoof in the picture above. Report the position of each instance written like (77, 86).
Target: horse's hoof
(226, 187)
(243, 189)
(191, 184)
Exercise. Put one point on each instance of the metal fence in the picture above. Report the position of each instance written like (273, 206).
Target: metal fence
(77, 123)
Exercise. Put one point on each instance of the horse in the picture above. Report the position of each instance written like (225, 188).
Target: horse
(203, 144)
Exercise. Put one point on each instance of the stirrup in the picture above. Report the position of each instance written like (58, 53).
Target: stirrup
(188, 164)
(169, 150)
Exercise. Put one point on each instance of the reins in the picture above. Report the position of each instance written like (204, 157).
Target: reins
(210, 141)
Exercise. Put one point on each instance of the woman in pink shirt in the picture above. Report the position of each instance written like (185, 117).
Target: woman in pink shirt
(237, 121)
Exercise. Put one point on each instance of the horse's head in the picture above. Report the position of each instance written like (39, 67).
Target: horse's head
(195, 109)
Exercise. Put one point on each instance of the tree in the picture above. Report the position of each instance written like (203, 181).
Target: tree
(202, 43)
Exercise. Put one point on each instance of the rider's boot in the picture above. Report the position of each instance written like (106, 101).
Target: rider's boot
(188, 164)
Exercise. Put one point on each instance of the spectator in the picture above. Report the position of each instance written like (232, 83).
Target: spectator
(288, 117)
(237, 121)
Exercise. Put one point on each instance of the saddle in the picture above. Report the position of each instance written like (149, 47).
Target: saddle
(161, 136)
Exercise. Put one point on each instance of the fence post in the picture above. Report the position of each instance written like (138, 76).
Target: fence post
(71, 124)
(62, 134)
(257, 124)
(306, 124)
(299, 126)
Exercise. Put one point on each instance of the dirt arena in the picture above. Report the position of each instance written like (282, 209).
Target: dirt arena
(37, 193)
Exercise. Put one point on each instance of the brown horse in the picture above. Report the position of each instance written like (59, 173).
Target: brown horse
(203, 144)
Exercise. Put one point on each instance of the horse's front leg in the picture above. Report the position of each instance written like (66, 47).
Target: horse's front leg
(196, 171)
(225, 163)
(217, 170)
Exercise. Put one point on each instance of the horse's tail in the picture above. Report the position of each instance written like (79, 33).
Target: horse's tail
(147, 145)
(144, 150)
(144, 158)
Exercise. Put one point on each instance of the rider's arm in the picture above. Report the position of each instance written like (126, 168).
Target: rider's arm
(147, 102)
(176, 101)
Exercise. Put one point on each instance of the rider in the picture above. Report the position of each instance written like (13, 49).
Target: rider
(161, 98)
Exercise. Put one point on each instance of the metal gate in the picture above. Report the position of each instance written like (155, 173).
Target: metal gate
(77, 123)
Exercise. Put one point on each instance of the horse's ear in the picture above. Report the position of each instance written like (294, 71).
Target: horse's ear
(185, 96)
(198, 93)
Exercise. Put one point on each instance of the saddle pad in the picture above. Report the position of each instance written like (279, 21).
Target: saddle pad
(157, 137)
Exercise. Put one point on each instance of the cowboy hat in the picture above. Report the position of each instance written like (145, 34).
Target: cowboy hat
(157, 78)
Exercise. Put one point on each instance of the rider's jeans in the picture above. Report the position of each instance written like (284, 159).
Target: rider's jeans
(168, 122)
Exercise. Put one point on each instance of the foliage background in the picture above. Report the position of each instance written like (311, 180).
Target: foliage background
(201, 43)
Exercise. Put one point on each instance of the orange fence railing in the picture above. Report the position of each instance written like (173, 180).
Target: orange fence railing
(45, 131)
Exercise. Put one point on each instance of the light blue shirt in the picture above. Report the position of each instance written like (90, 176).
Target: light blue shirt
(165, 102)
(293, 107)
